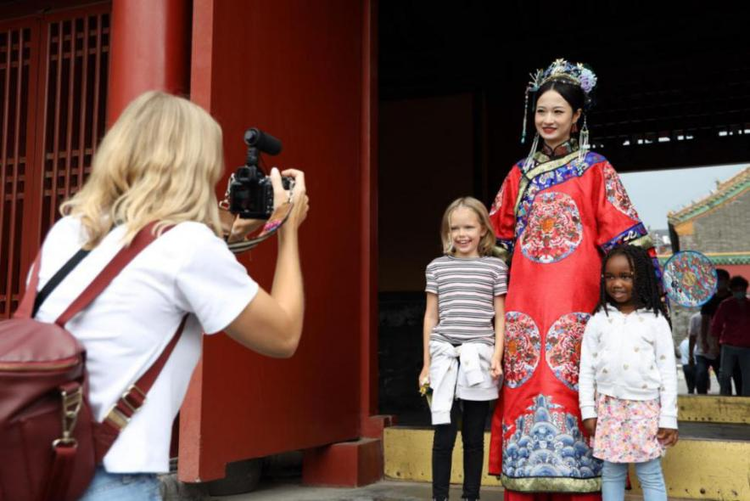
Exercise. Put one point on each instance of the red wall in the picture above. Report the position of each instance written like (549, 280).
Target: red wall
(295, 69)
(737, 269)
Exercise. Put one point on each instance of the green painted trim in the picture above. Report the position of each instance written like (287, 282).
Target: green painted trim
(711, 202)
(552, 484)
(729, 259)
(733, 259)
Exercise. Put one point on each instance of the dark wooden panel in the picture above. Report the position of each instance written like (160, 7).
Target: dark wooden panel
(53, 78)
(16, 61)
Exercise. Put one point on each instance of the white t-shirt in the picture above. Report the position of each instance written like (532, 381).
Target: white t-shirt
(684, 351)
(694, 330)
(125, 329)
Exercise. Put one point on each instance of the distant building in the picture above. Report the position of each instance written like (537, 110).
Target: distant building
(661, 241)
(718, 225)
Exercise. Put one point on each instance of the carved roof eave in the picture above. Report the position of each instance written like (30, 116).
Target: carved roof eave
(726, 191)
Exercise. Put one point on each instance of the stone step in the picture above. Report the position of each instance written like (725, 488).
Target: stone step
(714, 409)
(710, 462)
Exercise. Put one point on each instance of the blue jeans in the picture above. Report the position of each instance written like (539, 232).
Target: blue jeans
(649, 474)
(122, 487)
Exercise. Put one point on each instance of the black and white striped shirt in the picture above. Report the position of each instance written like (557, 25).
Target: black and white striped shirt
(466, 290)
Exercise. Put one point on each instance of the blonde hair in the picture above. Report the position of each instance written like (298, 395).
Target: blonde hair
(486, 243)
(160, 161)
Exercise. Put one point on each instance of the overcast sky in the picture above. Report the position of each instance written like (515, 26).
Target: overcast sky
(654, 193)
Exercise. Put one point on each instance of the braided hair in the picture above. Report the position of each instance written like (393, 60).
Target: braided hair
(646, 288)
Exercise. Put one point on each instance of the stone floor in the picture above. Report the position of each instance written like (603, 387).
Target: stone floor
(381, 491)
(286, 487)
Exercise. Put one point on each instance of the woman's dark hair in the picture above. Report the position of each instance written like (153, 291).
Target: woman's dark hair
(646, 289)
(722, 274)
(573, 94)
(738, 281)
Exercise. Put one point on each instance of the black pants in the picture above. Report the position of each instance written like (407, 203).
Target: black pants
(701, 372)
(689, 371)
(735, 365)
(473, 416)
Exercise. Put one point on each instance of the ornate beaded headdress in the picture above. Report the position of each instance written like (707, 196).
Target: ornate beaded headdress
(562, 71)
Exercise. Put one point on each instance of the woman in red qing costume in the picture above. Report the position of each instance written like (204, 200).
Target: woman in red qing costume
(557, 212)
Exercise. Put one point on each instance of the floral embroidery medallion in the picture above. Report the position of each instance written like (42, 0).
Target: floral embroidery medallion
(548, 179)
(563, 347)
(547, 442)
(499, 198)
(522, 348)
(554, 229)
(616, 193)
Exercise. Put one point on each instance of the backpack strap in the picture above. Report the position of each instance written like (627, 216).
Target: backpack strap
(142, 239)
(33, 299)
(57, 278)
(27, 303)
(134, 397)
(105, 434)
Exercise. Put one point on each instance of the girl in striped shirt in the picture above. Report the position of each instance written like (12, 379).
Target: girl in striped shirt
(462, 348)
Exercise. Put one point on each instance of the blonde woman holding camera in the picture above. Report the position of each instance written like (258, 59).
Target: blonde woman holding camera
(160, 162)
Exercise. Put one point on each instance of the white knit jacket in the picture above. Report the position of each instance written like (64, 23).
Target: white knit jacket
(630, 357)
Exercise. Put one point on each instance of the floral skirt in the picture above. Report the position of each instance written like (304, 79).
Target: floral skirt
(626, 430)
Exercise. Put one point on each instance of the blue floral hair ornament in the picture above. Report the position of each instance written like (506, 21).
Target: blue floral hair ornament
(565, 71)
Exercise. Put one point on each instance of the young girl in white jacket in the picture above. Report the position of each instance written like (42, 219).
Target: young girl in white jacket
(628, 382)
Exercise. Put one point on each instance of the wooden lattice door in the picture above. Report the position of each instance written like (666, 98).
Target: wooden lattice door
(53, 81)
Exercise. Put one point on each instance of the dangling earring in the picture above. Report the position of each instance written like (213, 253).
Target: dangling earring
(529, 162)
(583, 140)
(525, 116)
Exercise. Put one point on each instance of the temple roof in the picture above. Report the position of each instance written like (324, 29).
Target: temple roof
(723, 193)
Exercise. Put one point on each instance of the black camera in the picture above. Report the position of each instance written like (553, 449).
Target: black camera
(250, 189)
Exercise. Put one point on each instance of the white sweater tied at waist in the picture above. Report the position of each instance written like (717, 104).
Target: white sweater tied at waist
(459, 372)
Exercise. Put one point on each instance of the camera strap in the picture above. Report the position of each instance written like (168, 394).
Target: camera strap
(276, 221)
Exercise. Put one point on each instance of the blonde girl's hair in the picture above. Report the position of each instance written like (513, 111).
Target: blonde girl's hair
(160, 161)
(487, 242)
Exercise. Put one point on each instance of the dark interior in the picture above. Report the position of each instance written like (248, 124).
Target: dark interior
(673, 91)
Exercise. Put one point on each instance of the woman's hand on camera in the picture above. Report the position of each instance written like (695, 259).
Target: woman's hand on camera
(234, 228)
(298, 196)
(243, 227)
(272, 323)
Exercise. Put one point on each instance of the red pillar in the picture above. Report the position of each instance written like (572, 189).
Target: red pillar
(371, 424)
(304, 71)
(150, 50)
